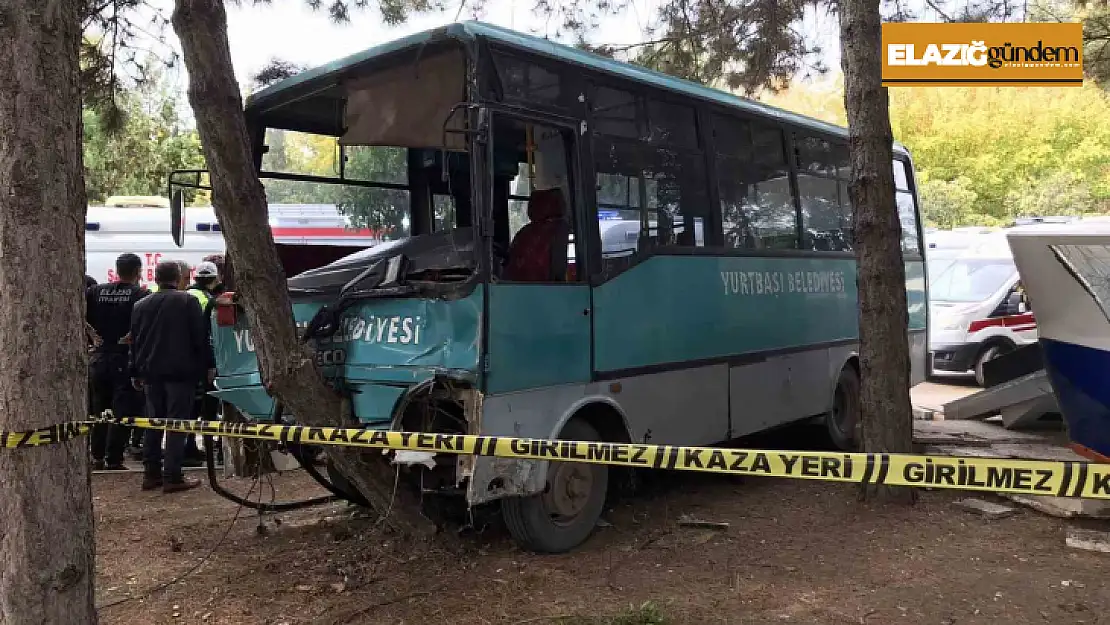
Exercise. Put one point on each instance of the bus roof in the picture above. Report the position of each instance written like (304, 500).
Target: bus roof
(330, 74)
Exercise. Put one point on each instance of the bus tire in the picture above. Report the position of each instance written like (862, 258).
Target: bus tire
(565, 514)
(988, 353)
(842, 421)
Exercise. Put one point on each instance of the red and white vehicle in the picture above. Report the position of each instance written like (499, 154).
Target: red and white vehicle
(146, 231)
(977, 307)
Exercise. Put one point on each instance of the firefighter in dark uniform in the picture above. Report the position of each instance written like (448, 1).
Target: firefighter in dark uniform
(108, 313)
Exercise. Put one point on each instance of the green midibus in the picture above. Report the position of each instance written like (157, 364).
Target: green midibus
(571, 247)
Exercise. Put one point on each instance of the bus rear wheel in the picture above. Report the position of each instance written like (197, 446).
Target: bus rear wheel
(564, 515)
(842, 421)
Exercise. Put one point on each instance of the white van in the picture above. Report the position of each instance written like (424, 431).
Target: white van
(146, 232)
(977, 307)
(956, 238)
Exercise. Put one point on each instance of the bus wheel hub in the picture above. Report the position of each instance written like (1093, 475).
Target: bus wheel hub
(568, 489)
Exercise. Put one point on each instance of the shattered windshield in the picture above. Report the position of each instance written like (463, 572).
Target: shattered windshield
(393, 201)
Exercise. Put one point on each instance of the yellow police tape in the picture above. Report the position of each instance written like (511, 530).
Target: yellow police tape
(999, 475)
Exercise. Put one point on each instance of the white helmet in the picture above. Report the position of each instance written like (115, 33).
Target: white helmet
(207, 270)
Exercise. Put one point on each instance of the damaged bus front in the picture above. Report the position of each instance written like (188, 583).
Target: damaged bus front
(400, 139)
(386, 321)
(395, 328)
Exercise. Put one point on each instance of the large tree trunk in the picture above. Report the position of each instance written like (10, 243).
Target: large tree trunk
(288, 367)
(887, 425)
(46, 529)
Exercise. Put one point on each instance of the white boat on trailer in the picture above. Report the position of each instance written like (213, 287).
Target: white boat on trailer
(1066, 272)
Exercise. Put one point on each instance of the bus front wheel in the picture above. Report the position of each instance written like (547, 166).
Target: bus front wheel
(566, 512)
(842, 421)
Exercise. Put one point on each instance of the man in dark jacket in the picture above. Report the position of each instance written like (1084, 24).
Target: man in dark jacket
(169, 356)
(108, 310)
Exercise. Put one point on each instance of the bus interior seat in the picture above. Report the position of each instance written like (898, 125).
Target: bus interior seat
(538, 252)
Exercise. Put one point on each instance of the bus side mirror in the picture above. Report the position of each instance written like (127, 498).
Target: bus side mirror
(177, 217)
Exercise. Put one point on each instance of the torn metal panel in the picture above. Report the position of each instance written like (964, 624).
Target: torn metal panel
(495, 478)
(472, 411)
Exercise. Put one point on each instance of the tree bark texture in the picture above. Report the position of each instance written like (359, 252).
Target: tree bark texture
(886, 418)
(46, 525)
(244, 457)
(238, 197)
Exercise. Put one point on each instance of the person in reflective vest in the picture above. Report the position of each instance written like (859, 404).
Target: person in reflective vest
(204, 285)
(205, 289)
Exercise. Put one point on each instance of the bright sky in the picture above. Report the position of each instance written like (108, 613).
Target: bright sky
(290, 31)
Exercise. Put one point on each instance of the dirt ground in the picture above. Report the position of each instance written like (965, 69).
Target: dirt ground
(794, 552)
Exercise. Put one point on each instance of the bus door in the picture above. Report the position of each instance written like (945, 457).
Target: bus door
(539, 309)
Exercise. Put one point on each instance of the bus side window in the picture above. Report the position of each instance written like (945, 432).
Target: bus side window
(757, 204)
(676, 163)
(621, 191)
(826, 210)
(677, 203)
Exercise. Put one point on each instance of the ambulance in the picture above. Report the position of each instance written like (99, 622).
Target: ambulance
(978, 308)
(143, 226)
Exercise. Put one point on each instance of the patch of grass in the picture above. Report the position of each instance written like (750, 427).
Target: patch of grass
(646, 614)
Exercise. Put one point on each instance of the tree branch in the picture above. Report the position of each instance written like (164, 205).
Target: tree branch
(943, 15)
